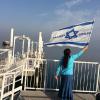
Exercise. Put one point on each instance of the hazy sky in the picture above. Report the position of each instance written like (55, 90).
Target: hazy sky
(32, 16)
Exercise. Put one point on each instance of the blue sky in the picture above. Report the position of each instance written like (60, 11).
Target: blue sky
(32, 16)
(46, 15)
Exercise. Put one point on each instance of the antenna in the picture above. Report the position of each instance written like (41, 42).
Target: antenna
(12, 37)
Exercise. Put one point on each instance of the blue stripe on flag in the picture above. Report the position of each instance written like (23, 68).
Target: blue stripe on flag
(75, 43)
(82, 24)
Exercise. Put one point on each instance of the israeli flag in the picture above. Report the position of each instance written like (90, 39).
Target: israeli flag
(75, 36)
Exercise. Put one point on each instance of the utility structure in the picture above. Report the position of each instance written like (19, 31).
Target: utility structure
(36, 63)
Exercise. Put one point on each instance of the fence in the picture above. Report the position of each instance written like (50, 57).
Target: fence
(34, 76)
(11, 83)
(86, 76)
(10, 76)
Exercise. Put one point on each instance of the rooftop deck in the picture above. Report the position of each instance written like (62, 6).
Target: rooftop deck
(51, 95)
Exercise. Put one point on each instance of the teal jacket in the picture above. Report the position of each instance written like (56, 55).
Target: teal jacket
(69, 68)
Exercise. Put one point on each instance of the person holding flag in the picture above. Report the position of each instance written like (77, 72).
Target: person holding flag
(75, 36)
(65, 70)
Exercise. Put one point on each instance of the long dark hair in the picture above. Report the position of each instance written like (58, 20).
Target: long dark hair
(66, 57)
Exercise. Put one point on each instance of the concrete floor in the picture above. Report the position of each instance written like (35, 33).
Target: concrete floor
(51, 95)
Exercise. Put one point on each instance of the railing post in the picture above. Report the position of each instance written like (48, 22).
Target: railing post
(22, 74)
(25, 74)
(98, 76)
(2, 90)
(45, 75)
(12, 97)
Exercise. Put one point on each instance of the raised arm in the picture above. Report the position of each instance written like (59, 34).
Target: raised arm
(80, 53)
(85, 49)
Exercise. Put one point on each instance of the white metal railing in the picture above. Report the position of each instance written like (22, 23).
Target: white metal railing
(34, 77)
(8, 86)
(10, 83)
(86, 76)
(3, 57)
(4, 60)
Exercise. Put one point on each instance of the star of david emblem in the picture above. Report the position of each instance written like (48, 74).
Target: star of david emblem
(71, 34)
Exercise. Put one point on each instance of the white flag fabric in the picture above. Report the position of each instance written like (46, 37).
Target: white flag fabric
(76, 35)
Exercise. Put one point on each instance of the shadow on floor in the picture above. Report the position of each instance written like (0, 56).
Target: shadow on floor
(52, 95)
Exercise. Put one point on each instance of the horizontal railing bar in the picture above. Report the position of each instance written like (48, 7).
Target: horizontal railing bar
(50, 89)
(7, 94)
(84, 91)
(55, 60)
(12, 73)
